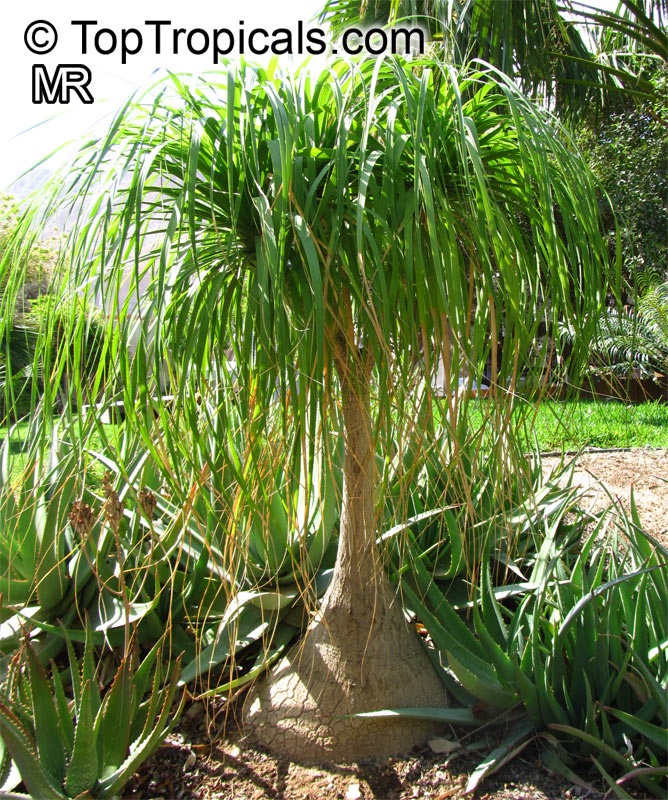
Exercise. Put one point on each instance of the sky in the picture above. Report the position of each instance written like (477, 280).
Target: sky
(93, 35)
(29, 131)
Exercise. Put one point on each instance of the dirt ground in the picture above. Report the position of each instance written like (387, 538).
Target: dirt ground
(607, 475)
(181, 769)
(197, 763)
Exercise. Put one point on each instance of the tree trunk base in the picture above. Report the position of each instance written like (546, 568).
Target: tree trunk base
(347, 663)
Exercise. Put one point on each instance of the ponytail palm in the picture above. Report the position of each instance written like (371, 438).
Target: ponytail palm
(341, 233)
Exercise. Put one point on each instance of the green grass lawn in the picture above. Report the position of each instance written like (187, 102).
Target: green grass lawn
(19, 444)
(576, 424)
(573, 424)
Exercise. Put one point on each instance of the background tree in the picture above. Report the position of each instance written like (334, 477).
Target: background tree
(335, 230)
(569, 55)
(30, 277)
(628, 152)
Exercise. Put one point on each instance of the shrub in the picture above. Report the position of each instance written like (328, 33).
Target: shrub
(634, 341)
(38, 266)
(628, 153)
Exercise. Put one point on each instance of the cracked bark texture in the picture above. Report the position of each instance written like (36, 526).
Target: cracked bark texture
(358, 654)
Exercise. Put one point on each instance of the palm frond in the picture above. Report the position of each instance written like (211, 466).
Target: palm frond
(568, 54)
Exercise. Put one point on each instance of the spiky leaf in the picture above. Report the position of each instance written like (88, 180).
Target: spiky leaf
(50, 744)
(116, 718)
(24, 752)
(82, 771)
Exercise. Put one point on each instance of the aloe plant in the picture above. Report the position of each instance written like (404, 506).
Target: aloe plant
(132, 553)
(451, 509)
(91, 743)
(236, 577)
(575, 655)
(60, 555)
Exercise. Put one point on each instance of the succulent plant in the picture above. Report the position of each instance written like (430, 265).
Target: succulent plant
(87, 745)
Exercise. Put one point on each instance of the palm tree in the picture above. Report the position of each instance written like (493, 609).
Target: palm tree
(334, 230)
(539, 43)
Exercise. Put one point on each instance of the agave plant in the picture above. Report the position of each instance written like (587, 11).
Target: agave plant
(88, 744)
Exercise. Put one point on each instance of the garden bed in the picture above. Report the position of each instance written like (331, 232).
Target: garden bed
(197, 763)
(190, 768)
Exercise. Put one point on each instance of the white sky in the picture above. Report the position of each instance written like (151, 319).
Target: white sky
(29, 132)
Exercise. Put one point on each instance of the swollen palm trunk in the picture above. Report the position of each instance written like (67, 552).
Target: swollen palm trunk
(358, 654)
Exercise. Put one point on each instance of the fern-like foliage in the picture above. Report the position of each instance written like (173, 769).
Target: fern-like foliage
(633, 339)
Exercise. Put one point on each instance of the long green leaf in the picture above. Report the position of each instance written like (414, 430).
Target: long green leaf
(513, 744)
(82, 771)
(23, 751)
(49, 739)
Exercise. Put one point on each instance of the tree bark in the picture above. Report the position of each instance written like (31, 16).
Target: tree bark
(358, 654)
(355, 584)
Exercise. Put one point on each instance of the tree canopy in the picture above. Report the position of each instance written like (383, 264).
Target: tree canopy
(568, 54)
(365, 205)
